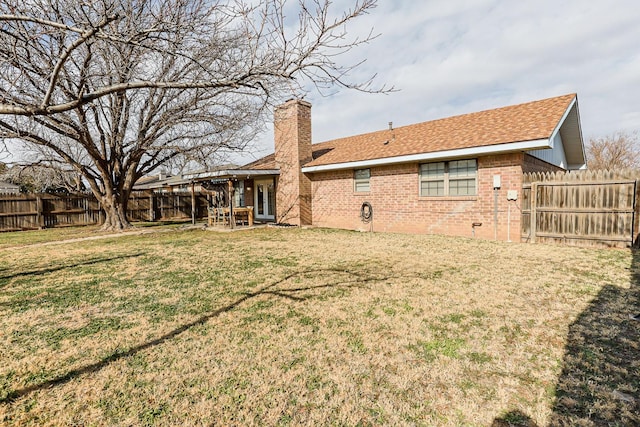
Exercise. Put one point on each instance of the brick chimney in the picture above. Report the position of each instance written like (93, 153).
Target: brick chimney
(292, 136)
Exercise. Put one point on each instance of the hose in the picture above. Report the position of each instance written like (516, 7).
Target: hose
(366, 212)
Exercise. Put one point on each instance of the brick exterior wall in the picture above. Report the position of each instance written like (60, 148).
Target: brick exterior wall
(328, 199)
(292, 137)
(397, 206)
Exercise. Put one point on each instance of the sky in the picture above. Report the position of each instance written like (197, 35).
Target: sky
(450, 57)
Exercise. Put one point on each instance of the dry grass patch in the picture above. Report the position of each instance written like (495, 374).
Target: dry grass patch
(289, 327)
(18, 239)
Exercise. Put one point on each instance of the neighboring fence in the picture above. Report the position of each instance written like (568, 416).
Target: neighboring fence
(32, 211)
(585, 208)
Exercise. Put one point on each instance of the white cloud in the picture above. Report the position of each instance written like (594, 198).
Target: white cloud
(455, 57)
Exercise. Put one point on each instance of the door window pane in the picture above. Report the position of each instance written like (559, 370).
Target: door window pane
(271, 200)
(238, 193)
(261, 198)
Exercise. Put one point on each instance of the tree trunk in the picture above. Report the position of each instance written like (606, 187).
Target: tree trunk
(115, 214)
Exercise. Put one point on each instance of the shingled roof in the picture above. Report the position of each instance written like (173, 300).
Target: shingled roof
(531, 121)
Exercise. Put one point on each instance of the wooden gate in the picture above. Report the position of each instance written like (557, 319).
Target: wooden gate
(581, 208)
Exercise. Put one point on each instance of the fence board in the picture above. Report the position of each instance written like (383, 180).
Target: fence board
(581, 208)
(33, 211)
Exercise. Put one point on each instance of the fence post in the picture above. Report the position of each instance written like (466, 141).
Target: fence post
(39, 212)
(151, 218)
(635, 219)
(533, 217)
(87, 214)
(193, 203)
(230, 192)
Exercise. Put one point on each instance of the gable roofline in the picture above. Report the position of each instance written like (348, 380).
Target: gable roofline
(437, 155)
(522, 127)
(529, 126)
(564, 117)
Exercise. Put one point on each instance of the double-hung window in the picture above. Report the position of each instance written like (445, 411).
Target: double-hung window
(361, 180)
(454, 178)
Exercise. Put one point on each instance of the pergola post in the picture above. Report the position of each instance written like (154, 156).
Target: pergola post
(193, 203)
(230, 192)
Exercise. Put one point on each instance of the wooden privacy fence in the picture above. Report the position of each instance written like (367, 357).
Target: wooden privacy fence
(163, 206)
(32, 211)
(585, 208)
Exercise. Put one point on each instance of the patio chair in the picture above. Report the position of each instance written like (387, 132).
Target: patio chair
(211, 215)
(221, 217)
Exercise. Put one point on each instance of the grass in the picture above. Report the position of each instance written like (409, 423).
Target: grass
(34, 237)
(319, 327)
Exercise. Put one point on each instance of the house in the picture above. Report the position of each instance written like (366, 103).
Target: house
(460, 175)
(8, 188)
(198, 181)
(152, 182)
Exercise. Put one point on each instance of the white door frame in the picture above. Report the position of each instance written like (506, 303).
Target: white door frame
(266, 215)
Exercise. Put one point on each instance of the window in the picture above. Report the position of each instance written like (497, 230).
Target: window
(454, 178)
(432, 178)
(238, 194)
(361, 180)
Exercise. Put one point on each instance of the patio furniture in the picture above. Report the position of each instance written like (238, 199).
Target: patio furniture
(211, 214)
(222, 217)
(241, 215)
(217, 216)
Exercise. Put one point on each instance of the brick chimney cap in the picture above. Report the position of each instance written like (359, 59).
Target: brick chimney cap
(292, 101)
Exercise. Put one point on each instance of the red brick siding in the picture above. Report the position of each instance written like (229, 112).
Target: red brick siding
(292, 137)
(398, 207)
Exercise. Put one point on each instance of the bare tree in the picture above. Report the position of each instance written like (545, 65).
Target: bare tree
(42, 178)
(620, 150)
(116, 88)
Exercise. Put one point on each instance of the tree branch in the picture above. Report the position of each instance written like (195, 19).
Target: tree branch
(86, 35)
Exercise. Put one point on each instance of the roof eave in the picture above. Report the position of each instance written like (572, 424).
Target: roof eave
(250, 172)
(231, 173)
(580, 166)
(510, 147)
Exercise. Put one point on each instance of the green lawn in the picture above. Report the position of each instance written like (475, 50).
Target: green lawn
(315, 327)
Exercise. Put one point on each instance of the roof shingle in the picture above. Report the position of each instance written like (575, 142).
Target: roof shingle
(523, 122)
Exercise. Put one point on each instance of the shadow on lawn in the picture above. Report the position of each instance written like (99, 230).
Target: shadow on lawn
(600, 380)
(514, 419)
(266, 290)
(63, 267)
